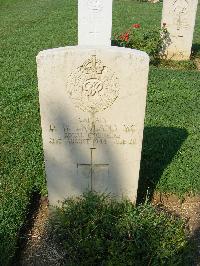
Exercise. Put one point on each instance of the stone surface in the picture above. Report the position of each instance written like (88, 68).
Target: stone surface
(179, 16)
(153, 1)
(94, 22)
(92, 104)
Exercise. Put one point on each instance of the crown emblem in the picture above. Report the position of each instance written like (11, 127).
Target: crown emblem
(92, 67)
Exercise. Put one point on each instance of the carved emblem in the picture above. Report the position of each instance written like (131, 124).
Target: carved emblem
(180, 6)
(95, 5)
(93, 87)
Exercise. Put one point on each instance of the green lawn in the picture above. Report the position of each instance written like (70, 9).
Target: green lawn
(170, 160)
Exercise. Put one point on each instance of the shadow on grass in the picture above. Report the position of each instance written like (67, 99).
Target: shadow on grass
(195, 243)
(195, 49)
(160, 145)
(32, 210)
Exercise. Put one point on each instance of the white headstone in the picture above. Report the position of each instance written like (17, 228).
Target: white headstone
(92, 105)
(94, 22)
(179, 17)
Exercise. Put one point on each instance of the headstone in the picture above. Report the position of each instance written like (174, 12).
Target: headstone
(94, 22)
(179, 18)
(92, 105)
(153, 1)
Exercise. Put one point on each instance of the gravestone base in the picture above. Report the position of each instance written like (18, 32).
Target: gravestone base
(92, 105)
(176, 54)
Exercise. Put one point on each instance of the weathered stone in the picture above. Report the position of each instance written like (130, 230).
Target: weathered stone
(92, 104)
(179, 18)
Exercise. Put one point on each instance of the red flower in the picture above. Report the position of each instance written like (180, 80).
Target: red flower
(136, 26)
(121, 37)
(124, 37)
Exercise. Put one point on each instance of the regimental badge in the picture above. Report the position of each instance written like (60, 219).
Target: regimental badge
(93, 87)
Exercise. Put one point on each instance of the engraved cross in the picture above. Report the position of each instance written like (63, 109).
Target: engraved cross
(92, 167)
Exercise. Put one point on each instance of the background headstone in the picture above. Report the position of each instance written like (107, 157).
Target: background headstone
(92, 104)
(179, 16)
(94, 22)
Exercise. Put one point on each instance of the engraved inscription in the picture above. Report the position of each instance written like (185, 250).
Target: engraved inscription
(93, 22)
(52, 128)
(180, 9)
(95, 5)
(93, 133)
(93, 87)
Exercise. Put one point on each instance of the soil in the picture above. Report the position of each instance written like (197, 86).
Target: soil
(197, 62)
(187, 209)
(40, 249)
(37, 246)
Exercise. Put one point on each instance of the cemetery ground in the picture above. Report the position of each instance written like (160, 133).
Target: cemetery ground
(170, 172)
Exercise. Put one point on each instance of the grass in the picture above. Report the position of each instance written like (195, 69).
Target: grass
(170, 158)
(23, 24)
(170, 161)
(97, 230)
